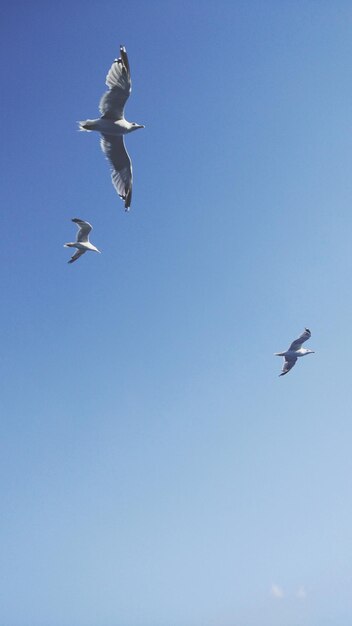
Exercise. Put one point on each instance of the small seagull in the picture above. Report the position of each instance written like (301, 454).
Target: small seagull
(82, 242)
(295, 350)
(113, 126)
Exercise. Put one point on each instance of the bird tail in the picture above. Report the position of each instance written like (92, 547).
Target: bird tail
(85, 125)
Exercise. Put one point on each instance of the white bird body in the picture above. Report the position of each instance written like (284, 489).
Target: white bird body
(82, 242)
(292, 354)
(110, 127)
(82, 246)
(113, 126)
(295, 351)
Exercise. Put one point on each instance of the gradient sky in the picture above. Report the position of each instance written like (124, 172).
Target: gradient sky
(154, 469)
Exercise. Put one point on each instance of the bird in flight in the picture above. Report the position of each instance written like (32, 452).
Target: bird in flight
(82, 242)
(294, 351)
(113, 126)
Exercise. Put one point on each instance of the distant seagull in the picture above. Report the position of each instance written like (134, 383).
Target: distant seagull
(82, 242)
(113, 126)
(295, 350)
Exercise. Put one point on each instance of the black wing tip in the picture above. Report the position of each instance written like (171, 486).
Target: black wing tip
(76, 220)
(124, 59)
(127, 203)
(307, 331)
(127, 197)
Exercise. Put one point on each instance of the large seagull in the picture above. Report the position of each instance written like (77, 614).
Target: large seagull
(295, 350)
(82, 242)
(113, 126)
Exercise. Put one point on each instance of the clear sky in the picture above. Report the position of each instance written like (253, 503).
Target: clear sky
(154, 469)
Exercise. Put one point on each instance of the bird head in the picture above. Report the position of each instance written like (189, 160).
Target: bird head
(134, 126)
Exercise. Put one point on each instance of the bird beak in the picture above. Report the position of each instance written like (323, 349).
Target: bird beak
(140, 126)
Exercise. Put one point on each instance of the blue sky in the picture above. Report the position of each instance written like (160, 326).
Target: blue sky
(154, 469)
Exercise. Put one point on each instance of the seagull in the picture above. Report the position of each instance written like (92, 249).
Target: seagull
(295, 350)
(113, 126)
(82, 242)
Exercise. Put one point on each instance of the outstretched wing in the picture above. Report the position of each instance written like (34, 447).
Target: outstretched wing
(288, 365)
(118, 80)
(121, 174)
(76, 255)
(84, 229)
(297, 343)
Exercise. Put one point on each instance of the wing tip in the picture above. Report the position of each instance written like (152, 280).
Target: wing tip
(127, 198)
(124, 59)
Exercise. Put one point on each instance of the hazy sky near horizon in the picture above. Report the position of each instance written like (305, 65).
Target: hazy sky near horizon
(154, 469)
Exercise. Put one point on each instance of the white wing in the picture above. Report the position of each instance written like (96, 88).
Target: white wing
(76, 255)
(288, 365)
(121, 175)
(118, 80)
(297, 343)
(84, 229)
